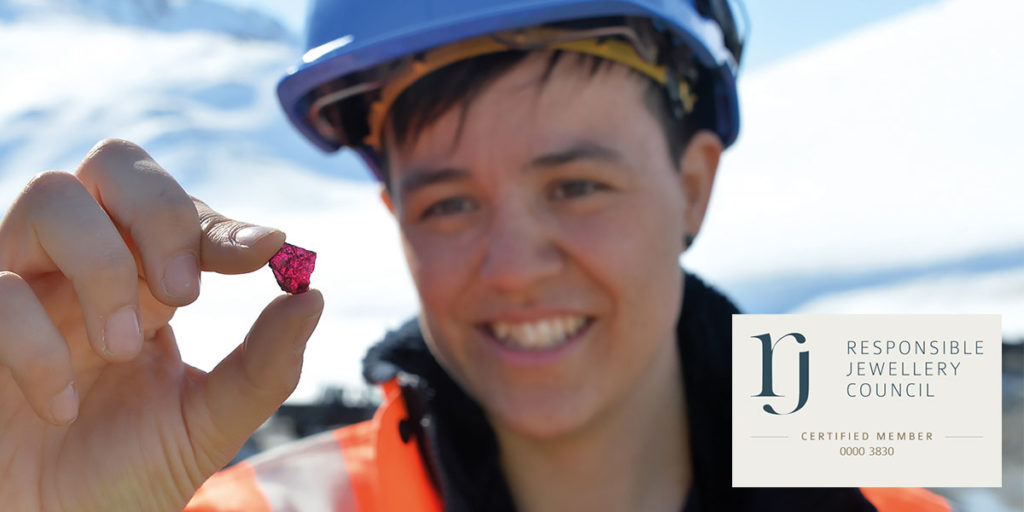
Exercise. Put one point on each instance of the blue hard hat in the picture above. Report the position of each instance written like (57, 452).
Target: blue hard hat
(349, 41)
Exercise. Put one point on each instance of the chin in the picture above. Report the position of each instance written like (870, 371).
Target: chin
(541, 420)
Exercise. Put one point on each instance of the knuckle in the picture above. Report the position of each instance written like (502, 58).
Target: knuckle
(47, 193)
(222, 230)
(107, 154)
(51, 185)
(112, 146)
(206, 214)
(212, 222)
(200, 204)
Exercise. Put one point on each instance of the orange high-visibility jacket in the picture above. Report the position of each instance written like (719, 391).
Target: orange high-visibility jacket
(362, 467)
(368, 467)
(378, 466)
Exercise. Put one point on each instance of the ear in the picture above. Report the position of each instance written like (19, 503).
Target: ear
(697, 168)
(385, 197)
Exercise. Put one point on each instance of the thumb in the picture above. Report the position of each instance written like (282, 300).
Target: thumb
(232, 247)
(252, 382)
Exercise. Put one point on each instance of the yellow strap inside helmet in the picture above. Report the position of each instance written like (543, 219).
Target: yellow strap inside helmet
(615, 50)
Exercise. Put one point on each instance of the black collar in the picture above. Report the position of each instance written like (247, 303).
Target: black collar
(463, 453)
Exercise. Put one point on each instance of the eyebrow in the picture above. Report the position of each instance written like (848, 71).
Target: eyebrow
(421, 178)
(583, 150)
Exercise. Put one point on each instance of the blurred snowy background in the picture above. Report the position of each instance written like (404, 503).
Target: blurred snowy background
(879, 167)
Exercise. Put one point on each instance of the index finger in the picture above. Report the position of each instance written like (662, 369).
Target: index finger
(153, 213)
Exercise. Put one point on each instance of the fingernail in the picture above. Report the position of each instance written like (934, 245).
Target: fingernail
(248, 236)
(181, 277)
(64, 406)
(122, 336)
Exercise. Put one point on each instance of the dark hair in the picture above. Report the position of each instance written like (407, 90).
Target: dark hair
(459, 84)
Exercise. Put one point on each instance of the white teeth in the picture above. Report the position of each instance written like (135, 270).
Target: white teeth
(541, 334)
(546, 331)
(527, 335)
(501, 330)
(573, 324)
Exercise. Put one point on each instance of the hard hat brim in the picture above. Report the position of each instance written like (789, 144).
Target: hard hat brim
(362, 51)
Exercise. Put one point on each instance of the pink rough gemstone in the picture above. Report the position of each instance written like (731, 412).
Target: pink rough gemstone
(292, 267)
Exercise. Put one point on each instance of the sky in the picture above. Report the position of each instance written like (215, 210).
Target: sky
(782, 28)
(292, 14)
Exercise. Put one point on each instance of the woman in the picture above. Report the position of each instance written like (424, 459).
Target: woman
(547, 163)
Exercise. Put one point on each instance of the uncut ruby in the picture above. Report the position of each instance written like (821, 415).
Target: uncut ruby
(292, 267)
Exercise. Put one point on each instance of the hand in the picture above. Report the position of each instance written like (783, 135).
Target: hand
(97, 410)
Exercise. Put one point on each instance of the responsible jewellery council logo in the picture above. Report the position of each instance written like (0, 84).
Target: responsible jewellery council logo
(767, 373)
(866, 400)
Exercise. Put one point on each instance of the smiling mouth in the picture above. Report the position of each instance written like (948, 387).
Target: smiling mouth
(545, 334)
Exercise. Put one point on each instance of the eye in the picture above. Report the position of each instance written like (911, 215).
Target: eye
(570, 189)
(450, 206)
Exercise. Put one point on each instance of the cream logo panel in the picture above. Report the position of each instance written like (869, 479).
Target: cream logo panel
(867, 400)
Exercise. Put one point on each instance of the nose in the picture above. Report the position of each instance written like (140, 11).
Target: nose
(521, 251)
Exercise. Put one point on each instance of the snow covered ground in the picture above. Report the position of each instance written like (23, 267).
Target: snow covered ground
(878, 173)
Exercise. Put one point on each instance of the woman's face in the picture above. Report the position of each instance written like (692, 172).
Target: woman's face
(544, 240)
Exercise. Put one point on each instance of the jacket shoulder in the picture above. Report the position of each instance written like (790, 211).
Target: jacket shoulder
(905, 499)
(229, 490)
(310, 474)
